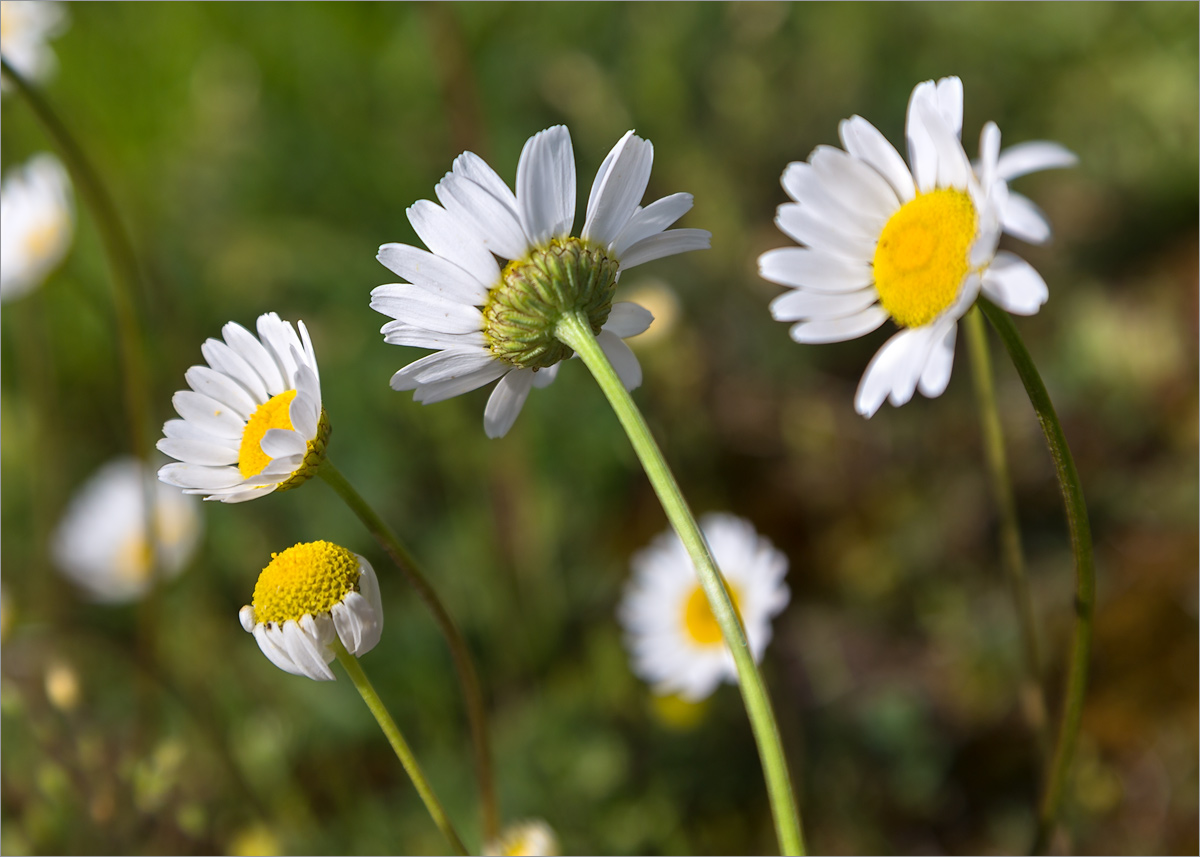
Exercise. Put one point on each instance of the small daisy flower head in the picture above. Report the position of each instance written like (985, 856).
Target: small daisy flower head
(503, 267)
(252, 422)
(915, 243)
(101, 544)
(530, 838)
(37, 220)
(26, 27)
(674, 640)
(308, 596)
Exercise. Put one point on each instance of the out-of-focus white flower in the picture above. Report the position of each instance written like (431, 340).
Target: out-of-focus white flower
(306, 597)
(524, 839)
(37, 221)
(101, 543)
(26, 26)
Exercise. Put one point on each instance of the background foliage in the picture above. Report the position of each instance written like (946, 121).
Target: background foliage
(261, 153)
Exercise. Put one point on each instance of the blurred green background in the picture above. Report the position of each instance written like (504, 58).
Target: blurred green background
(260, 153)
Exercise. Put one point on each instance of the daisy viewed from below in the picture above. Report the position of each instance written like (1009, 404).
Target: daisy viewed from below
(914, 243)
(36, 223)
(672, 635)
(308, 596)
(101, 544)
(252, 422)
(503, 267)
(25, 28)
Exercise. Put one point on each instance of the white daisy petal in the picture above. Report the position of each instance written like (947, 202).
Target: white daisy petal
(496, 221)
(628, 319)
(546, 185)
(280, 339)
(936, 374)
(950, 103)
(403, 333)
(424, 309)
(280, 442)
(623, 360)
(893, 371)
(840, 329)
(433, 273)
(198, 451)
(199, 477)
(669, 243)
(953, 168)
(807, 227)
(1014, 285)
(228, 362)
(865, 142)
(989, 153)
(802, 267)
(543, 378)
(440, 366)
(922, 154)
(858, 186)
(618, 189)
(506, 402)
(270, 641)
(455, 239)
(1023, 219)
(221, 388)
(305, 651)
(439, 391)
(651, 220)
(1033, 156)
(216, 418)
(803, 184)
(796, 305)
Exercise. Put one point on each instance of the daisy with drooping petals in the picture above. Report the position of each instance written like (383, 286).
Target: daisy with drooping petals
(306, 597)
(25, 28)
(252, 420)
(916, 244)
(672, 635)
(101, 544)
(36, 223)
(502, 268)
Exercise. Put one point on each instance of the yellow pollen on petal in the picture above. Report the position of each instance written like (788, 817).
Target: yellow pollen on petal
(922, 257)
(699, 620)
(274, 413)
(306, 578)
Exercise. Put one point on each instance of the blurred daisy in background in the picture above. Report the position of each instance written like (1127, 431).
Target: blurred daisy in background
(37, 221)
(502, 268)
(101, 544)
(916, 245)
(529, 838)
(308, 596)
(26, 26)
(673, 638)
(252, 420)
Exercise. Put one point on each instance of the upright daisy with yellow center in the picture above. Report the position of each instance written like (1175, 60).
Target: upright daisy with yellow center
(36, 223)
(306, 597)
(502, 268)
(252, 422)
(915, 245)
(672, 635)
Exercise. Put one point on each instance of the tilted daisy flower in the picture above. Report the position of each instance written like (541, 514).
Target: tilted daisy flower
(36, 223)
(101, 543)
(308, 596)
(502, 268)
(26, 27)
(252, 420)
(524, 839)
(672, 635)
(916, 244)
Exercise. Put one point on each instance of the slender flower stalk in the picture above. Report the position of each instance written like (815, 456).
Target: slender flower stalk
(1085, 575)
(459, 652)
(575, 330)
(1033, 694)
(399, 745)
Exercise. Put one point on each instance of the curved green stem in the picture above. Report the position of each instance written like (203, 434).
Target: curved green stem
(461, 655)
(574, 330)
(403, 753)
(1010, 533)
(1085, 574)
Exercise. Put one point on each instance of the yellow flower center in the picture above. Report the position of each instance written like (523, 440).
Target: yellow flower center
(922, 256)
(134, 558)
(271, 414)
(699, 620)
(42, 239)
(306, 578)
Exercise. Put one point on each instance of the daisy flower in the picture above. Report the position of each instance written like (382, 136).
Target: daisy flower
(37, 222)
(916, 243)
(252, 420)
(25, 28)
(672, 635)
(503, 267)
(524, 839)
(101, 544)
(306, 597)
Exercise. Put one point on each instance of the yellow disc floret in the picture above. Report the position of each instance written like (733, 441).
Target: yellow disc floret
(274, 413)
(699, 620)
(922, 257)
(306, 578)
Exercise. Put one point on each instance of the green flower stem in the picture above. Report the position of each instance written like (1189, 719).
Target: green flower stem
(403, 753)
(1085, 574)
(118, 249)
(463, 665)
(1010, 534)
(575, 330)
